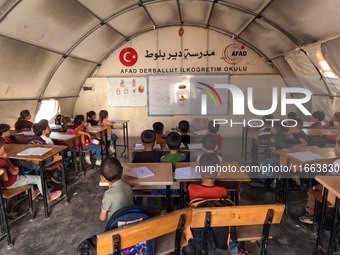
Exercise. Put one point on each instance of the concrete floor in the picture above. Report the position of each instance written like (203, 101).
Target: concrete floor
(70, 224)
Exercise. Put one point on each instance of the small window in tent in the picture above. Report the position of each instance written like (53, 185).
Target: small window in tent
(48, 110)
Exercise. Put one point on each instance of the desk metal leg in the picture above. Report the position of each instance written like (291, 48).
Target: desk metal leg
(242, 150)
(322, 220)
(167, 198)
(181, 194)
(4, 222)
(74, 156)
(334, 227)
(124, 138)
(127, 139)
(107, 143)
(81, 157)
(63, 177)
(246, 145)
(44, 187)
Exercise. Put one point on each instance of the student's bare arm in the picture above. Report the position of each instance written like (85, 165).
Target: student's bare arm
(103, 215)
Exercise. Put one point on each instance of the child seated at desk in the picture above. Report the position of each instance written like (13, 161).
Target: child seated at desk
(148, 138)
(15, 180)
(5, 133)
(300, 137)
(23, 122)
(119, 194)
(91, 118)
(158, 127)
(264, 132)
(212, 130)
(67, 124)
(208, 190)
(209, 145)
(335, 121)
(103, 120)
(317, 117)
(173, 143)
(292, 116)
(183, 127)
(80, 128)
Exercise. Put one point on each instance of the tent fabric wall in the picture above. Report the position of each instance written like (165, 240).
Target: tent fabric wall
(49, 48)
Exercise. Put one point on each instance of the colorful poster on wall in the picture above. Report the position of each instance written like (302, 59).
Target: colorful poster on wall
(127, 91)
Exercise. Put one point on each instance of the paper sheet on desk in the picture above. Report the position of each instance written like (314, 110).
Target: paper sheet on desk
(36, 151)
(306, 156)
(195, 146)
(139, 146)
(62, 137)
(26, 133)
(138, 172)
(93, 128)
(186, 173)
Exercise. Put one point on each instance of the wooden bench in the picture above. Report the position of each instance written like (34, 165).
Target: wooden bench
(253, 223)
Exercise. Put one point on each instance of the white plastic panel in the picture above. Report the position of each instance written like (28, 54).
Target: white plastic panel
(69, 78)
(251, 5)
(307, 20)
(13, 109)
(195, 11)
(229, 19)
(51, 24)
(98, 44)
(106, 8)
(164, 12)
(132, 22)
(267, 39)
(24, 69)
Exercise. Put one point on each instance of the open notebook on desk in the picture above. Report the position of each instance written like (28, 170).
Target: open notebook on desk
(34, 151)
(139, 146)
(138, 172)
(26, 133)
(186, 173)
(195, 146)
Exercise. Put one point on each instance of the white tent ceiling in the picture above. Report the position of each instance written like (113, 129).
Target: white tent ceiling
(48, 48)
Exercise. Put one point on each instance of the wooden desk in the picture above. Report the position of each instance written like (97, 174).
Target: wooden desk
(100, 132)
(12, 151)
(307, 124)
(320, 131)
(233, 177)
(123, 124)
(163, 176)
(331, 186)
(3, 218)
(287, 160)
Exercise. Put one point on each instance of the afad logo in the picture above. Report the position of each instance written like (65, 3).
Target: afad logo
(128, 56)
(233, 54)
(204, 97)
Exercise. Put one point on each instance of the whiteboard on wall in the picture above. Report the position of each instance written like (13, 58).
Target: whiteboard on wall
(182, 94)
(127, 92)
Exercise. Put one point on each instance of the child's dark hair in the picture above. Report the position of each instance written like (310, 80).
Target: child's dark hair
(213, 129)
(158, 127)
(103, 115)
(57, 119)
(148, 136)
(209, 142)
(89, 115)
(173, 140)
(111, 169)
(320, 116)
(267, 119)
(23, 115)
(2, 142)
(337, 116)
(208, 163)
(78, 120)
(292, 115)
(299, 124)
(4, 128)
(183, 126)
(39, 127)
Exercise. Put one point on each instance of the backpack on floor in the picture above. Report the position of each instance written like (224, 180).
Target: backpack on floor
(125, 216)
(214, 237)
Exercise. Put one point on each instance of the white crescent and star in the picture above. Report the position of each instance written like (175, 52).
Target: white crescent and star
(124, 56)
